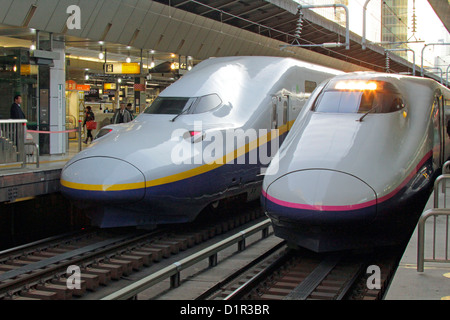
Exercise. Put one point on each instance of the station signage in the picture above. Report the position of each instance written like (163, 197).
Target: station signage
(72, 85)
(122, 68)
(83, 87)
(27, 69)
(109, 86)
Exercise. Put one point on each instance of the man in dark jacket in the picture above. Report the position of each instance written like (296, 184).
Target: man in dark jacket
(16, 112)
(122, 115)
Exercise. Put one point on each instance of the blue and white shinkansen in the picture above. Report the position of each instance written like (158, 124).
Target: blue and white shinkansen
(205, 138)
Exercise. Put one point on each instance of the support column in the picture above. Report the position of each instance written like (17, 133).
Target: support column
(139, 95)
(58, 101)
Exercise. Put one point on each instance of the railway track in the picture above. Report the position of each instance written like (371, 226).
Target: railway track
(109, 260)
(303, 275)
(43, 269)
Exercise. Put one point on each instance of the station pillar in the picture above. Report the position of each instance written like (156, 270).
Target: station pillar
(51, 97)
(139, 95)
(58, 101)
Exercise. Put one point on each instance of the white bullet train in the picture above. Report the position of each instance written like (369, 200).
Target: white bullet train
(358, 165)
(205, 138)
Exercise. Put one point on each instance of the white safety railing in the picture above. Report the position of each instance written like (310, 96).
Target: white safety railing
(437, 212)
(12, 142)
(17, 146)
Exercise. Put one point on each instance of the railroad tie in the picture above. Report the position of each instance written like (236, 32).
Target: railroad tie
(307, 286)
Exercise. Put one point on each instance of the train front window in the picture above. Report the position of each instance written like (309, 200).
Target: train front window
(359, 97)
(207, 103)
(177, 105)
(169, 105)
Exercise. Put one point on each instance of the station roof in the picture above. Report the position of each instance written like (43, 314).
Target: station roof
(202, 29)
(442, 9)
(278, 19)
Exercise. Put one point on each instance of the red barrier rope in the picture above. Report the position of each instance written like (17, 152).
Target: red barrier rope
(49, 132)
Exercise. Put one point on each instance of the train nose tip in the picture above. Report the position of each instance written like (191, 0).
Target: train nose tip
(103, 180)
(321, 196)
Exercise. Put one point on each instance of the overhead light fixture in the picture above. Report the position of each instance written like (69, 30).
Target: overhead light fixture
(33, 46)
(101, 55)
(128, 59)
(152, 64)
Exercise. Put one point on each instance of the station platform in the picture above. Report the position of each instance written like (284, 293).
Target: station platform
(434, 282)
(17, 183)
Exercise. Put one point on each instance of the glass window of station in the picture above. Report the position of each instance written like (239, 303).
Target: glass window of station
(18, 76)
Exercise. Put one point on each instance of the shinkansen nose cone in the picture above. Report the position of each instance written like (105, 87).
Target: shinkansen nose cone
(320, 197)
(103, 180)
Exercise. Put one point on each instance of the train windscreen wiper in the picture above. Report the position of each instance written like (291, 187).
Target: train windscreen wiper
(365, 114)
(184, 111)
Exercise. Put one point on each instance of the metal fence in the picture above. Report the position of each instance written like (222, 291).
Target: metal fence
(12, 142)
(439, 247)
(14, 146)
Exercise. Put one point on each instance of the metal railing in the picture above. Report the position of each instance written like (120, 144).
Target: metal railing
(17, 146)
(35, 152)
(436, 212)
(12, 142)
(173, 271)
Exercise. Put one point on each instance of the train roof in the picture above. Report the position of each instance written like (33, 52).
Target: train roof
(365, 75)
(231, 75)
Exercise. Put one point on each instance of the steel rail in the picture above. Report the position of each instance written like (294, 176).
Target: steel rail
(173, 271)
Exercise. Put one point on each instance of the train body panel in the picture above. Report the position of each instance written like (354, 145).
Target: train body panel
(358, 174)
(206, 137)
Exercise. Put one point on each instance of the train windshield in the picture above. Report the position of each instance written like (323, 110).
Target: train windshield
(359, 97)
(169, 105)
(177, 105)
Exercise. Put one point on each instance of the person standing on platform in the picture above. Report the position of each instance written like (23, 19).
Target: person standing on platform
(130, 110)
(122, 115)
(89, 116)
(16, 111)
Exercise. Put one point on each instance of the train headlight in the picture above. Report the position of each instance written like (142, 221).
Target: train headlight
(194, 135)
(356, 85)
(405, 114)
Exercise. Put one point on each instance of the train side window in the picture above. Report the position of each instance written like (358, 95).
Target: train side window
(397, 104)
(274, 115)
(285, 112)
(310, 86)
